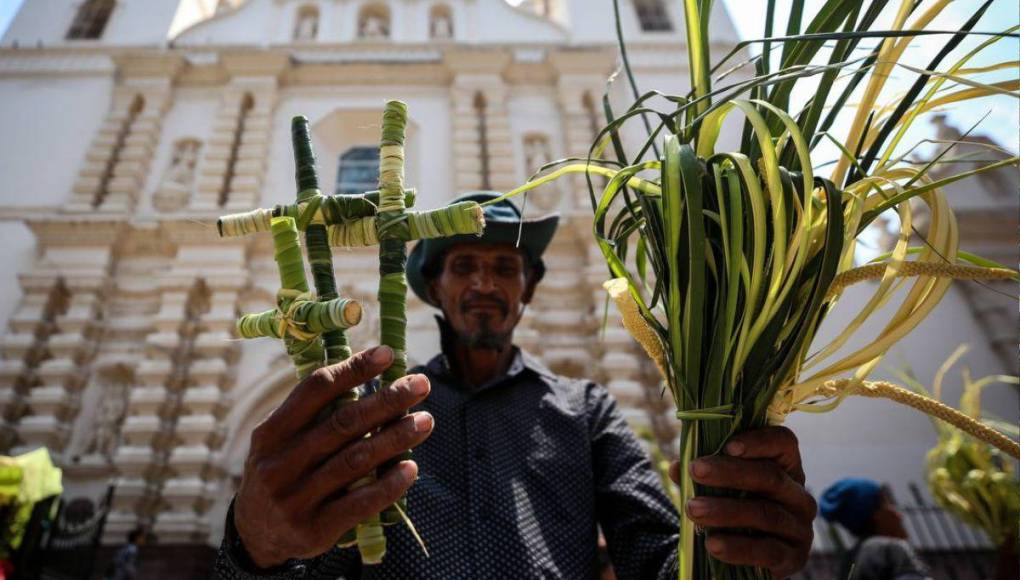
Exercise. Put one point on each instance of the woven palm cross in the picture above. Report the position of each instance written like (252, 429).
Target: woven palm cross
(313, 326)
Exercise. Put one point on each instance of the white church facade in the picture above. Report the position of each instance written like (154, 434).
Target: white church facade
(128, 127)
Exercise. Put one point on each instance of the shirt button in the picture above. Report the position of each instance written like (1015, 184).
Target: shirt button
(481, 453)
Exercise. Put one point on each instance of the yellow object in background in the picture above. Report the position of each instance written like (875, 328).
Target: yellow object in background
(25, 480)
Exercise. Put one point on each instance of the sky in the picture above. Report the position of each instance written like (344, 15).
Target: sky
(8, 8)
(1003, 119)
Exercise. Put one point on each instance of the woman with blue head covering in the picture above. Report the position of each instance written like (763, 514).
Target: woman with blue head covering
(865, 509)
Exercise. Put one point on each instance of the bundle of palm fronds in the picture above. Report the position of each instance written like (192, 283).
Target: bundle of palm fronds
(969, 478)
(724, 263)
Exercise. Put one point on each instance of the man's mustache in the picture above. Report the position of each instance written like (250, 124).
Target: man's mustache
(475, 300)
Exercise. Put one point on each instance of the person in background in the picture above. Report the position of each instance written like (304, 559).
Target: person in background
(125, 563)
(867, 511)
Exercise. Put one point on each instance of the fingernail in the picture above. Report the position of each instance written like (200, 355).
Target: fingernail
(419, 384)
(697, 507)
(714, 545)
(422, 422)
(381, 355)
(735, 448)
(700, 468)
(408, 470)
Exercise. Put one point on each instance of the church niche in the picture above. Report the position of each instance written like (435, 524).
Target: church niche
(441, 23)
(306, 27)
(374, 22)
(175, 188)
(104, 407)
(537, 153)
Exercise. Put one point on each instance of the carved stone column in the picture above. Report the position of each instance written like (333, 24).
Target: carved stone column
(23, 347)
(80, 255)
(137, 457)
(117, 162)
(236, 156)
(192, 468)
(482, 141)
(580, 84)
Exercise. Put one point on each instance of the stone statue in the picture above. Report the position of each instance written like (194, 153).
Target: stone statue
(375, 26)
(442, 27)
(182, 167)
(106, 430)
(175, 188)
(536, 153)
(307, 27)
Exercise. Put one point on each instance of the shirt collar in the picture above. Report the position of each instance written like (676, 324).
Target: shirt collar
(522, 362)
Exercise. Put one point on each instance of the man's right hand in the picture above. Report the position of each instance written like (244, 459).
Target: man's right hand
(294, 500)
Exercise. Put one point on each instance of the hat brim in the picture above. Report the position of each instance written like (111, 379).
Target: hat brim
(535, 236)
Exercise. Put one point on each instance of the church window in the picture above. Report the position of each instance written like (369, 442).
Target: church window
(91, 19)
(306, 26)
(247, 104)
(118, 147)
(653, 16)
(374, 22)
(441, 22)
(358, 171)
(483, 139)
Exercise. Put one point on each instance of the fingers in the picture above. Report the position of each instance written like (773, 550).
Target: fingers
(361, 457)
(345, 512)
(323, 386)
(766, 552)
(753, 514)
(776, 443)
(760, 476)
(352, 421)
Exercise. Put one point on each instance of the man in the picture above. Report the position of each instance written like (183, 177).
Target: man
(866, 510)
(522, 465)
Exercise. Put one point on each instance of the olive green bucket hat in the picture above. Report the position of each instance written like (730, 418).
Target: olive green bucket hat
(503, 224)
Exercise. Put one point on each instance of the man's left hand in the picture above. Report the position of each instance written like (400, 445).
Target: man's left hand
(778, 510)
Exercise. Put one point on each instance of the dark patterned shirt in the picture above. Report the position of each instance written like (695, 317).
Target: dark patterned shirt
(512, 483)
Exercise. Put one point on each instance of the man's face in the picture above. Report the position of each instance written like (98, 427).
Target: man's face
(481, 290)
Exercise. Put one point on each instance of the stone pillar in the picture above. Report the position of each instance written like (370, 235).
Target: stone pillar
(477, 74)
(22, 348)
(579, 87)
(206, 367)
(137, 457)
(117, 162)
(239, 145)
(52, 405)
(235, 157)
(131, 169)
(561, 328)
(192, 462)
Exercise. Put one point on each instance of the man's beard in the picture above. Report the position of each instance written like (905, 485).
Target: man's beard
(485, 337)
